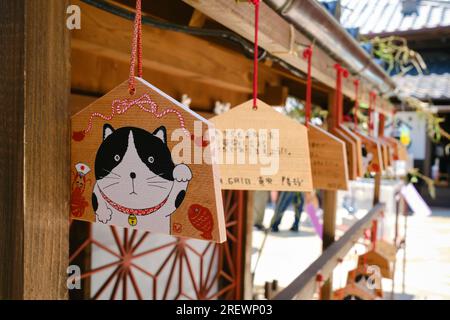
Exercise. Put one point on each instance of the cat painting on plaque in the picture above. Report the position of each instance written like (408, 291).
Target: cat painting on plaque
(143, 161)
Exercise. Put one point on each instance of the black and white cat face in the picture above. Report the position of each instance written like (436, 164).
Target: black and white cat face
(134, 167)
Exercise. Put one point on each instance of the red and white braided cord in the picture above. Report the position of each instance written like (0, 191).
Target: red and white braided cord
(120, 106)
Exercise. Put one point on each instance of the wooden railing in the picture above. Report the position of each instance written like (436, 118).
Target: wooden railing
(304, 286)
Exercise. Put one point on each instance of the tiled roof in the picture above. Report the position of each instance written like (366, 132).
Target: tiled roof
(385, 16)
(425, 87)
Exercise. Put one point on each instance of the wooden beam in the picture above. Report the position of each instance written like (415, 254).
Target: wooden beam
(304, 286)
(274, 36)
(174, 53)
(96, 74)
(34, 152)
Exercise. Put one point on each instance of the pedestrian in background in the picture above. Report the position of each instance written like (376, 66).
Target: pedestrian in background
(285, 199)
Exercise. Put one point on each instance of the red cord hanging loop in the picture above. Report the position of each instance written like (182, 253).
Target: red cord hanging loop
(356, 107)
(255, 55)
(307, 54)
(372, 101)
(339, 99)
(136, 48)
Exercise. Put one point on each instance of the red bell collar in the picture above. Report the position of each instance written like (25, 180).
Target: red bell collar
(137, 212)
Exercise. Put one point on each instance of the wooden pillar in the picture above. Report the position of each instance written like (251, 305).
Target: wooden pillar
(329, 230)
(34, 149)
(376, 190)
(329, 210)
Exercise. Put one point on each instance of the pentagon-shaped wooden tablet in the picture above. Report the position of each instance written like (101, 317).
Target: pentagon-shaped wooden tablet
(143, 161)
(328, 160)
(372, 154)
(262, 150)
(351, 150)
(358, 143)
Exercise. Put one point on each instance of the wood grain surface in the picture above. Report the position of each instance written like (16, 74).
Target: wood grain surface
(34, 152)
(328, 160)
(203, 189)
(351, 150)
(293, 172)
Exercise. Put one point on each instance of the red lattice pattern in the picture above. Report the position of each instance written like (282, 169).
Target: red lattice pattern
(124, 264)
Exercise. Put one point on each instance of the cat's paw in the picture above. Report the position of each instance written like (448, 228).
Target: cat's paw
(104, 215)
(182, 172)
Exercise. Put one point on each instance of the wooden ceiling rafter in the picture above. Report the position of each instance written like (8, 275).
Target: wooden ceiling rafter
(100, 59)
(275, 37)
(231, 73)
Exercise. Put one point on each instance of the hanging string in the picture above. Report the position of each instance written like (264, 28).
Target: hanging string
(339, 99)
(136, 48)
(307, 54)
(356, 107)
(372, 100)
(255, 55)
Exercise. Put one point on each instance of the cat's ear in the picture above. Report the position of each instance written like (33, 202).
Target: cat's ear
(161, 133)
(107, 130)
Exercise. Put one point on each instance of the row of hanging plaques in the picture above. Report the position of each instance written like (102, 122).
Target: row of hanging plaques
(145, 161)
(367, 154)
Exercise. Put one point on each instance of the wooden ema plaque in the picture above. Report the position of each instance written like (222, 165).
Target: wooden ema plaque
(353, 148)
(328, 160)
(262, 150)
(132, 165)
(351, 140)
(385, 152)
(363, 278)
(352, 291)
(358, 145)
(393, 147)
(399, 151)
(387, 249)
(372, 156)
(375, 258)
(350, 149)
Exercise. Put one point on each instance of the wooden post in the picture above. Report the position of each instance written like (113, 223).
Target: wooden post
(329, 209)
(329, 229)
(34, 149)
(376, 189)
